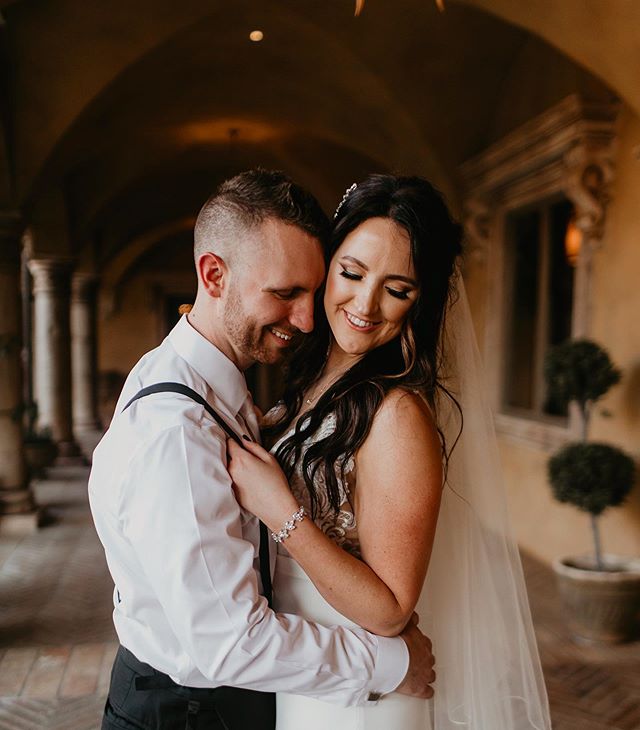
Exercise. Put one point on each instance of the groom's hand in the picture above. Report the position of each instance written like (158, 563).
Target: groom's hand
(420, 675)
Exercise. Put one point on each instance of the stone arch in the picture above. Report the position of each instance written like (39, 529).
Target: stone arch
(601, 37)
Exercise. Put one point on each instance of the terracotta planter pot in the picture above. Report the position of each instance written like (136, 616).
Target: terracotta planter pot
(602, 606)
(39, 455)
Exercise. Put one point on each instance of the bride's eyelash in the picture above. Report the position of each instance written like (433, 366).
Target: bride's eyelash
(356, 277)
(398, 294)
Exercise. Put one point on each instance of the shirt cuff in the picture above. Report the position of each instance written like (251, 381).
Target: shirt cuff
(392, 664)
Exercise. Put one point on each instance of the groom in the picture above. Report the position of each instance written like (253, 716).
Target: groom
(200, 645)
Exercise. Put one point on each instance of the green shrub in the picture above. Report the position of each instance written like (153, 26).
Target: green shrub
(579, 370)
(591, 476)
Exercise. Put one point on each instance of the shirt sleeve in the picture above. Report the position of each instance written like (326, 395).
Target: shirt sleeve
(184, 524)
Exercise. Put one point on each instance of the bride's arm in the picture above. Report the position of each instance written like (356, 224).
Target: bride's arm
(399, 483)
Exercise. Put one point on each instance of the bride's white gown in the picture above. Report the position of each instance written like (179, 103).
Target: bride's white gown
(295, 593)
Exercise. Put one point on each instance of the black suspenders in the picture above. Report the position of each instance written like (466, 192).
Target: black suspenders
(265, 571)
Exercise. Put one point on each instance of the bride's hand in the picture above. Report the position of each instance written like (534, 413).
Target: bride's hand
(260, 484)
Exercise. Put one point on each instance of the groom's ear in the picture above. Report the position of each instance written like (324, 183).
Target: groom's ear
(212, 273)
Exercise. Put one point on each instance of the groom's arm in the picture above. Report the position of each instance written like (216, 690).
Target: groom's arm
(184, 524)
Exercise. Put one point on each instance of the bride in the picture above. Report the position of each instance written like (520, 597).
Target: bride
(384, 449)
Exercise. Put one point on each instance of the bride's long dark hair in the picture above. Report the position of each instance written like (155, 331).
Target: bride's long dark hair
(411, 361)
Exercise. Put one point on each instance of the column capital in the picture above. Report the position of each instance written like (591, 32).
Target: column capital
(51, 273)
(83, 286)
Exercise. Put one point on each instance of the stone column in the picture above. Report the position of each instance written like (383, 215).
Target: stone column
(52, 352)
(18, 512)
(83, 352)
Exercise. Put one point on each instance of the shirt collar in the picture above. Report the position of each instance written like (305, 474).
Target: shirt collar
(222, 376)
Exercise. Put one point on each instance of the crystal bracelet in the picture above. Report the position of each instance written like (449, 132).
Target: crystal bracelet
(289, 525)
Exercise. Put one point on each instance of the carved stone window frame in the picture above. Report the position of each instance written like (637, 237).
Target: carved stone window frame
(568, 150)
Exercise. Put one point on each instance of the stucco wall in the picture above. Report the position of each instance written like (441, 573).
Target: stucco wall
(616, 323)
(544, 527)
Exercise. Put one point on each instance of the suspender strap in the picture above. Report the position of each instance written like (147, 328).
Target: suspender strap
(190, 393)
(181, 389)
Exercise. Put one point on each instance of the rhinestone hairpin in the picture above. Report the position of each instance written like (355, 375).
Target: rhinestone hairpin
(344, 197)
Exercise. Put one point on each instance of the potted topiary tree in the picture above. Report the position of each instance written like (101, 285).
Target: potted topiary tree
(601, 592)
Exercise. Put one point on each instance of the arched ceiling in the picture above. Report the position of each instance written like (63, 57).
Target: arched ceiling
(133, 112)
(603, 37)
(168, 188)
(369, 84)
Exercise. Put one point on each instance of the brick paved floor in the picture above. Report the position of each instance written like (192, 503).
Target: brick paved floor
(57, 640)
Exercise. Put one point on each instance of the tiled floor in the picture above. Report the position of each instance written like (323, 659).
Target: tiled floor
(57, 640)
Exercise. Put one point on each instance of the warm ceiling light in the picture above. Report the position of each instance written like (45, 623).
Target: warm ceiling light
(256, 36)
(223, 130)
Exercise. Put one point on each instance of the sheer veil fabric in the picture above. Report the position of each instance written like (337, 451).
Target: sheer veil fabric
(474, 602)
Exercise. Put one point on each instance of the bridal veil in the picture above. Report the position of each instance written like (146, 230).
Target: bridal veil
(474, 602)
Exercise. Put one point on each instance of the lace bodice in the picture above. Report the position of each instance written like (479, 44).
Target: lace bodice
(340, 527)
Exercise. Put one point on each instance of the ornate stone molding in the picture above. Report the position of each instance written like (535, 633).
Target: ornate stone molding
(568, 150)
(588, 177)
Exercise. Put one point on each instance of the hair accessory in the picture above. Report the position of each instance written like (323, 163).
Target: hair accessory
(289, 525)
(344, 197)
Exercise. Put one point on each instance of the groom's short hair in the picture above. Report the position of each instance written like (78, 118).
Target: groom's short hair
(246, 201)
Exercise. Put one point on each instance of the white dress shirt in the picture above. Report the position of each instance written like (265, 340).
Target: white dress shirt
(184, 556)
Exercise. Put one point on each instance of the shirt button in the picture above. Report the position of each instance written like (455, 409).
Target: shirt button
(374, 696)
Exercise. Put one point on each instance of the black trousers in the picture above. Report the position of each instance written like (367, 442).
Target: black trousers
(142, 698)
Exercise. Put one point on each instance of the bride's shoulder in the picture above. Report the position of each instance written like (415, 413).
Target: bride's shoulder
(403, 417)
(401, 406)
(402, 446)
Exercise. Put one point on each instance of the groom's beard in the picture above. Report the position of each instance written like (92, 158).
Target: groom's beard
(253, 340)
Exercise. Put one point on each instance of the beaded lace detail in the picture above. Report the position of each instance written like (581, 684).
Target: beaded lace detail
(341, 526)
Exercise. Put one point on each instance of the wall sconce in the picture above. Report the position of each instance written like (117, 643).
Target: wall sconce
(572, 242)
